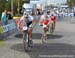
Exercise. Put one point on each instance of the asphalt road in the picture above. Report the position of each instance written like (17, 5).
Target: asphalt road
(59, 45)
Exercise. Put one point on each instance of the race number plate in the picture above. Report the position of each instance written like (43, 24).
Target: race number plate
(25, 28)
(44, 26)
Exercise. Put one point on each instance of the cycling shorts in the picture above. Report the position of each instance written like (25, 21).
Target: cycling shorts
(29, 24)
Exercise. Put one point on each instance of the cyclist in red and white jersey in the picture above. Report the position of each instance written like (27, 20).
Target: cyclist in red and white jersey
(53, 18)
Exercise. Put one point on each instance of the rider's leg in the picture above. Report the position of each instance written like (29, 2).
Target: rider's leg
(23, 35)
(30, 37)
(45, 33)
(54, 24)
(30, 34)
(30, 30)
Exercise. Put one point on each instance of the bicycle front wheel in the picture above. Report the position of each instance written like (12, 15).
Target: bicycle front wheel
(25, 43)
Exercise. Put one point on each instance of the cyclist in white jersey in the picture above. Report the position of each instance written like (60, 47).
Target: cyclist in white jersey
(27, 20)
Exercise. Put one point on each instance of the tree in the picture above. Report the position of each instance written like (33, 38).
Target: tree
(2, 6)
(16, 4)
(26, 1)
(71, 3)
(8, 5)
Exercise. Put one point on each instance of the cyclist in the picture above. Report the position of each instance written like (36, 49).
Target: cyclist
(53, 19)
(42, 18)
(44, 22)
(27, 19)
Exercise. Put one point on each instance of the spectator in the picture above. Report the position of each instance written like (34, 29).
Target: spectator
(9, 15)
(4, 17)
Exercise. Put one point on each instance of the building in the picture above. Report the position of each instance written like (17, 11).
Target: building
(41, 4)
(48, 2)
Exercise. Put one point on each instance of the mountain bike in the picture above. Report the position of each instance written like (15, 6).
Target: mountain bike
(44, 33)
(26, 39)
(51, 27)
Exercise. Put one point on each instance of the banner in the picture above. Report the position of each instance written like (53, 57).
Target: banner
(1, 29)
(5, 28)
(14, 25)
(11, 26)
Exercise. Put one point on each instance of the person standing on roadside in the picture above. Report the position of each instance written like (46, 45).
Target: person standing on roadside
(9, 15)
(4, 17)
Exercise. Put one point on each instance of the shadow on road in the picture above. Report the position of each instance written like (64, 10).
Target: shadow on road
(38, 36)
(18, 35)
(39, 50)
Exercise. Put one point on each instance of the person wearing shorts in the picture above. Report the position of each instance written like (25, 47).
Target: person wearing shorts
(26, 20)
(53, 19)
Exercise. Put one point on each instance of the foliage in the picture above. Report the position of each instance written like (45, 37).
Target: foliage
(7, 4)
(1, 43)
(2, 7)
(71, 3)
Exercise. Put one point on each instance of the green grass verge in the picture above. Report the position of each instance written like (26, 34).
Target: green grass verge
(1, 43)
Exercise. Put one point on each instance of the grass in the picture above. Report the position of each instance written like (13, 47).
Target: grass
(1, 43)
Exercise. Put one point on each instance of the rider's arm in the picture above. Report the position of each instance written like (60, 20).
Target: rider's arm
(20, 22)
(41, 20)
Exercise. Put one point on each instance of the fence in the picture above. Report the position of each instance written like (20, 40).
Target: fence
(6, 30)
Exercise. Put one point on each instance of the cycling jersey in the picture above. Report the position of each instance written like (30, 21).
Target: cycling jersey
(46, 22)
(53, 18)
(30, 18)
(26, 21)
(43, 17)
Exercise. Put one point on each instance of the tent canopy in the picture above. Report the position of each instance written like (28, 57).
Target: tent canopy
(28, 5)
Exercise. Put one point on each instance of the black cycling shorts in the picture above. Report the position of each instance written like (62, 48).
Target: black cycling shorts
(29, 23)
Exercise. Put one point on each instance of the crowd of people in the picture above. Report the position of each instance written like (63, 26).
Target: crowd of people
(6, 15)
(64, 12)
